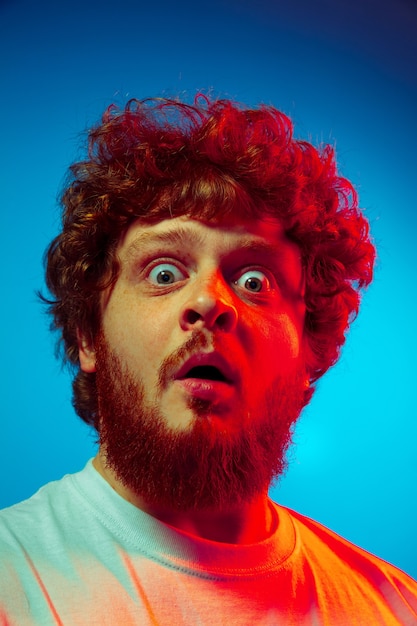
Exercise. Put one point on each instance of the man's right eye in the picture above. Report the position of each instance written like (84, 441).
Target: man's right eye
(165, 274)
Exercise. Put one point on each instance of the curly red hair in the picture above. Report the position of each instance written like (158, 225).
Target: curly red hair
(162, 158)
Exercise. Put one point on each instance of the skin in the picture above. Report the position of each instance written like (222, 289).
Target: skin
(241, 284)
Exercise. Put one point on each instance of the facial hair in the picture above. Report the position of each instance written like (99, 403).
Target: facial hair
(201, 467)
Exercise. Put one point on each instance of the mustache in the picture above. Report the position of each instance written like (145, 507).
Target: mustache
(173, 362)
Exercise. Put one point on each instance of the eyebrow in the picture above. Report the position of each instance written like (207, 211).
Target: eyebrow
(261, 247)
(175, 237)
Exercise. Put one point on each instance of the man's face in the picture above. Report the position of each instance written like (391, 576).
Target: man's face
(202, 337)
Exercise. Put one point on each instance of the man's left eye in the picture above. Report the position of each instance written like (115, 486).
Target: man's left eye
(165, 274)
(253, 281)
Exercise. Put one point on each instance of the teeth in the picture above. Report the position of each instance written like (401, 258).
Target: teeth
(208, 372)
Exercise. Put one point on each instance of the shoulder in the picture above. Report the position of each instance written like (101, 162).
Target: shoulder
(332, 560)
(33, 521)
(315, 536)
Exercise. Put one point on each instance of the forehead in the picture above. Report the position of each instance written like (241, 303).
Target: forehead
(220, 235)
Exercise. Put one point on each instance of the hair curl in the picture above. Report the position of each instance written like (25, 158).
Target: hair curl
(162, 158)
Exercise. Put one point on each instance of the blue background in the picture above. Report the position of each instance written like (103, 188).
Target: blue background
(346, 73)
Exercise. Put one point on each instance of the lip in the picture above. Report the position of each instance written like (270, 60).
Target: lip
(204, 388)
(214, 391)
(213, 359)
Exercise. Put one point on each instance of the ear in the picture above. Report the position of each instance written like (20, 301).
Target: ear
(86, 353)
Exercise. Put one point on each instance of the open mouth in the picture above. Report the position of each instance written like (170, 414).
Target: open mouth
(206, 372)
(207, 368)
(208, 377)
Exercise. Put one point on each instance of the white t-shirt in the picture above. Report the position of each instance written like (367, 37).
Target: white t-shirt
(76, 553)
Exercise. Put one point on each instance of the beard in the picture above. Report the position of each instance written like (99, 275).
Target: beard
(203, 466)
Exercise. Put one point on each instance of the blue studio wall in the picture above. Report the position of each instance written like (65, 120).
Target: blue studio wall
(346, 73)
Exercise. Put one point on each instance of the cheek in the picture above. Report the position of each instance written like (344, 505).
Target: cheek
(289, 337)
(137, 334)
(277, 344)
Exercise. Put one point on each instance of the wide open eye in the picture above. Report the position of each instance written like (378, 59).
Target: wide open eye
(253, 281)
(165, 274)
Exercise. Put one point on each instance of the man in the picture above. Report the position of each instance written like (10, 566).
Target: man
(204, 279)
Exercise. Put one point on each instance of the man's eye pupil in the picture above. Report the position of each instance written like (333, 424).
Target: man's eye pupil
(253, 284)
(165, 277)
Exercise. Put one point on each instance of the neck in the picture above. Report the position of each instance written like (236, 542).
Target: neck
(245, 523)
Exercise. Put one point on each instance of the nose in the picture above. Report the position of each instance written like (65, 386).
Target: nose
(210, 305)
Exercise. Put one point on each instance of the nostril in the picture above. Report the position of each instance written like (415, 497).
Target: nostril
(192, 316)
(211, 313)
(226, 320)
